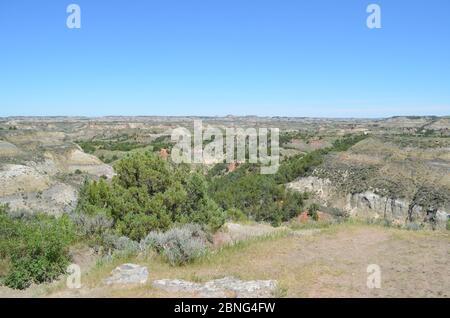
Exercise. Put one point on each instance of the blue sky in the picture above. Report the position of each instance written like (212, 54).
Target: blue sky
(219, 57)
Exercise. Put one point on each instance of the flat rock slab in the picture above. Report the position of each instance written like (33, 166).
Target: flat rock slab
(128, 274)
(222, 288)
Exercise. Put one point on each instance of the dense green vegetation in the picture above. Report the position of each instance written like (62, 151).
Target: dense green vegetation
(162, 142)
(312, 211)
(258, 196)
(300, 165)
(264, 197)
(35, 248)
(345, 143)
(87, 146)
(92, 145)
(149, 194)
(121, 144)
(287, 137)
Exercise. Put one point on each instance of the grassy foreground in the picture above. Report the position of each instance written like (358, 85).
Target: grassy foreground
(329, 263)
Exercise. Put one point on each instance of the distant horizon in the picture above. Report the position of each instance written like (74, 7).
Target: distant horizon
(216, 116)
(354, 112)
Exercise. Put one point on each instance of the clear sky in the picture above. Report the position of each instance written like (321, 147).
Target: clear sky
(219, 57)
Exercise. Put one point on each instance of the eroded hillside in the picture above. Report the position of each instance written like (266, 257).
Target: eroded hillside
(386, 177)
(44, 160)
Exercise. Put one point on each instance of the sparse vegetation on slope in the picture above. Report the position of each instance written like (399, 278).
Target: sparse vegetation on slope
(301, 165)
(386, 170)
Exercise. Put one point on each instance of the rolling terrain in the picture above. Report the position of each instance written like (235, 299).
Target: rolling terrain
(367, 191)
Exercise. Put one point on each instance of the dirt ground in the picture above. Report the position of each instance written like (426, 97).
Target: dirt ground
(330, 263)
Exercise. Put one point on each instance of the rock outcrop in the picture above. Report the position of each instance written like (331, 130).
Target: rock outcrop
(228, 287)
(365, 205)
(57, 199)
(128, 274)
(34, 178)
(21, 179)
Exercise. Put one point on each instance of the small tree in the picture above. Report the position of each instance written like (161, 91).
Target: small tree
(312, 211)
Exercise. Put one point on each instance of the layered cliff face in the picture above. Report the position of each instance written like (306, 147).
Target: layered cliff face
(365, 205)
(399, 179)
(40, 172)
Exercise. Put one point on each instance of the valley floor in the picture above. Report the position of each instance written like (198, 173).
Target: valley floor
(329, 263)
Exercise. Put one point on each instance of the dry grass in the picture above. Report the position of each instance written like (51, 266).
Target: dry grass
(331, 263)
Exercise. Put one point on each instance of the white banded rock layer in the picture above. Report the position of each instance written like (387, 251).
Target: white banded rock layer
(366, 204)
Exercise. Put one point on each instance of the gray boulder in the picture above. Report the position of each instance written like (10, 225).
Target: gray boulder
(224, 287)
(128, 274)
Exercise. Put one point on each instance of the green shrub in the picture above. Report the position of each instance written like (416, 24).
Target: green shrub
(162, 142)
(346, 142)
(150, 194)
(312, 211)
(137, 225)
(219, 169)
(36, 248)
(87, 146)
(299, 165)
(448, 224)
(236, 215)
(91, 146)
(258, 196)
